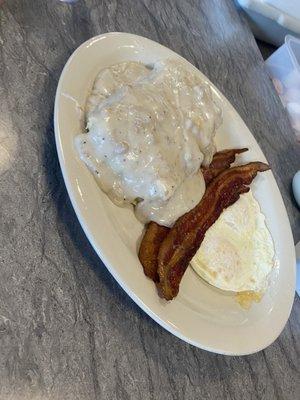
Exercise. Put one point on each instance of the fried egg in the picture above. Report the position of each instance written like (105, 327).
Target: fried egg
(237, 253)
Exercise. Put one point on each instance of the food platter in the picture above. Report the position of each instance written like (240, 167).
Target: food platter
(200, 314)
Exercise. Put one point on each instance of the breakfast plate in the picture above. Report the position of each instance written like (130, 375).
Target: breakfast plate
(200, 315)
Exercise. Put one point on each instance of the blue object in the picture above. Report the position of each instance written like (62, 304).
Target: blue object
(296, 187)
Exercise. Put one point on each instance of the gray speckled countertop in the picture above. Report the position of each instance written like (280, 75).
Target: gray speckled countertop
(67, 330)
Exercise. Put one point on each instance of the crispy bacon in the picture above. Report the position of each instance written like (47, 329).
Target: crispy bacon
(211, 173)
(223, 158)
(155, 233)
(221, 161)
(149, 248)
(186, 236)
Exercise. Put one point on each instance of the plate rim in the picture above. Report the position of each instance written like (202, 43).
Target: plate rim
(103, 257)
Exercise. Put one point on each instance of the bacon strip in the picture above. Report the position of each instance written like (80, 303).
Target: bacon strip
(155, 233)
(184, 239)
(149, 248)
(220, 162)
(223, 158)
(211, 173)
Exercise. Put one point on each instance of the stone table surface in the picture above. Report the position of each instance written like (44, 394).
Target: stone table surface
(67, 330)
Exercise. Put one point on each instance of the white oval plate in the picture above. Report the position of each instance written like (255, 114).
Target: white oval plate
(200, 315)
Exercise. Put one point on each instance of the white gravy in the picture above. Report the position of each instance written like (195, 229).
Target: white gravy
(149, 131)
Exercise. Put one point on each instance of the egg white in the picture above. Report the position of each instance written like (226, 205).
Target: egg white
(237, 253)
